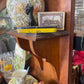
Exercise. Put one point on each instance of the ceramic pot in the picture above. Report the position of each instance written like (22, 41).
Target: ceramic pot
(16, 11)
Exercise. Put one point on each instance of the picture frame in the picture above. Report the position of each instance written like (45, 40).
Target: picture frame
(52, 19)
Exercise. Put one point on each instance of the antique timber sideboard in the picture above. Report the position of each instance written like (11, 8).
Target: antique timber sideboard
(56, 48)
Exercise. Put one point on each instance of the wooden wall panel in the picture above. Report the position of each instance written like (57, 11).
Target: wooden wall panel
(49, 49)
(52, 5)
(64, 60)
(2, 4)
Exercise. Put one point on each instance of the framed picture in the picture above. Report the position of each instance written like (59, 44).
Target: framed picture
(52, 19)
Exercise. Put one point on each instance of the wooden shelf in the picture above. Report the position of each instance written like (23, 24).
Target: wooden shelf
(38, 36)
(78, 34)
(56, 48)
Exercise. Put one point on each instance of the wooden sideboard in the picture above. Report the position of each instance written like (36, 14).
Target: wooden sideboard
(51, 60)
(52, 53)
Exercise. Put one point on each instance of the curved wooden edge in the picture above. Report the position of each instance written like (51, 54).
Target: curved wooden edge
(22, 44)
(34, 53)
(39, 67)
(48, 74)
(30, 48)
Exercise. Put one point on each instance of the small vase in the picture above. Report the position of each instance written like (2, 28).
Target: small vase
(16, 11)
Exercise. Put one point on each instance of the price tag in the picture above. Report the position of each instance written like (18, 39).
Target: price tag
(1, 62)
(8, 67)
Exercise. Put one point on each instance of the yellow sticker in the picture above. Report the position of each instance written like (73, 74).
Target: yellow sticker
(1, 62)
(8, 67)
(39, 30)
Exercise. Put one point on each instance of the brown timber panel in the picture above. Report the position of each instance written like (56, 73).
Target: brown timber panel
(38, 36)
(48, 49)
(64, 60)
(2, 4)
(48, 74)
(52, 5)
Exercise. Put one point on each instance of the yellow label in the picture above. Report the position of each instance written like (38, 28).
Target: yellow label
(1, 62)
(8, 67)
(39, 30)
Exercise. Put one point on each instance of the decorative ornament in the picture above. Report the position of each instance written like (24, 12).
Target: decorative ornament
(16, 11)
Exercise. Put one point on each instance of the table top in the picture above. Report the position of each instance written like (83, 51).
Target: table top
(38, 36)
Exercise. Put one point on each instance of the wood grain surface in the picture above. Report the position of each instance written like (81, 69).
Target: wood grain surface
(38, 36)
(56, 48)
(2, 4)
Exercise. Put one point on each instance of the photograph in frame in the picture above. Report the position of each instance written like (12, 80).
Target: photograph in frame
(52, 19)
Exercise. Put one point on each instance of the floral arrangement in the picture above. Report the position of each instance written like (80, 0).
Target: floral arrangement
(78, 58)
